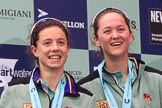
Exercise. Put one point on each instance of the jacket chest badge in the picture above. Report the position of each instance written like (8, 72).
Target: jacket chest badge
(147, 99)
(102, 104)
(67, 107)
(27, 105)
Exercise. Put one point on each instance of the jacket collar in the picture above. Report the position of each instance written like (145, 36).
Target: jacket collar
(107, 75)
(70, 87)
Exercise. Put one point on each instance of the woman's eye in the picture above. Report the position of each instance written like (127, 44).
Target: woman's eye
(121, 30)
(46, 43)
(107, 31)
(61, 43)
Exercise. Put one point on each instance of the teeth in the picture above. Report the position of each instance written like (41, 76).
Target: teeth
(116, 43)
(54, 57)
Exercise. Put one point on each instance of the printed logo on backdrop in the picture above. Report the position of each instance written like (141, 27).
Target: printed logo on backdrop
(69, 24)
(12, 14)
(7, 71)
(134, 25)
(77, 75)
(155, 20)
(72, 14)
(42, 13)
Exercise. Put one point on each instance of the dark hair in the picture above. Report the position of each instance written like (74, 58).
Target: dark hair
(42, 24)
(105, 11)
(98, 16)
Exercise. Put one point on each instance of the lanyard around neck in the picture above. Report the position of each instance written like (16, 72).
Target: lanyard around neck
(126, 103)
(57, 102)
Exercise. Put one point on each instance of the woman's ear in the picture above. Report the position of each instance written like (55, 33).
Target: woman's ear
(95, 41)
(34, 50)
(68, 46)
(131, 37)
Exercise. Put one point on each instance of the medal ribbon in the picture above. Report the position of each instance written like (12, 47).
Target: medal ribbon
(56, 103)
(126, 102)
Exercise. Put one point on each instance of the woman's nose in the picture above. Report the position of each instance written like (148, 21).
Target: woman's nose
(54, 47)
(115, 35)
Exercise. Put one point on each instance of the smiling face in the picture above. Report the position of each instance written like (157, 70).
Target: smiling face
(113, 35)
(52, 48)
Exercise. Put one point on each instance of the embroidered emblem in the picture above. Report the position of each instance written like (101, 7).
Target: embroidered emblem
(27, 105)
(102, 104)
(147, 99)
(67, 107)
